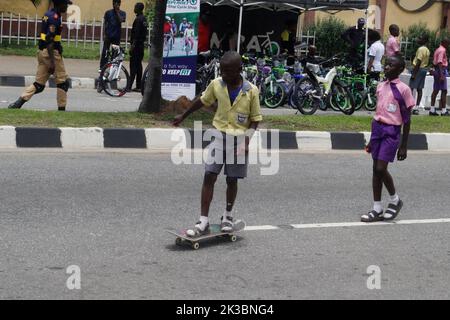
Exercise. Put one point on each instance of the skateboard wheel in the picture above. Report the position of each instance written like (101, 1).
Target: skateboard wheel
(233, 238)
(195, 245)
(178, 241)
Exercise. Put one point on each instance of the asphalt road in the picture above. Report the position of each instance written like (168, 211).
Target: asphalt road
(107, 213)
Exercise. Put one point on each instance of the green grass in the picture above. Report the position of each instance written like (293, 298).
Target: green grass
(69, 52)
(342, 123)
(334, 123)
(53, 119)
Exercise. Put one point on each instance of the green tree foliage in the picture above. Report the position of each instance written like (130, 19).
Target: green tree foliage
(149, 10)
(417, 30)
(36, 3)
(328, 36)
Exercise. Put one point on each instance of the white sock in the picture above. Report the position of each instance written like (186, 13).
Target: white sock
(433, 109)
(203, 222)
(377, 206)
(394, 199)
(444, 111)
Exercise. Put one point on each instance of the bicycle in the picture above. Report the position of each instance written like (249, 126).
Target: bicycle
(114, 77)
(187, 45)
(363, 88)
(256, 71)
(168, 43)
(269, 46)
(208, 71)
(281, 90)
(311, 91)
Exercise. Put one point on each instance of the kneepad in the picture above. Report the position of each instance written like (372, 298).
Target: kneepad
(64, 86)
(39, 87)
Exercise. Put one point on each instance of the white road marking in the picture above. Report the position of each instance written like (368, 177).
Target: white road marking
(348, 224)
(260, 228)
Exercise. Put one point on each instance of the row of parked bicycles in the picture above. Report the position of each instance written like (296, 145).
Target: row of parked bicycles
(305, 86)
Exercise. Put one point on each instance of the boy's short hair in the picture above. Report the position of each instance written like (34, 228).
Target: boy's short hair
(393, 27)
(231, 56)
(401, 61)
(374, 36)
(140, 6)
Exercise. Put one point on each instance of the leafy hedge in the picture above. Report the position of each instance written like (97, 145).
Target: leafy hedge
(328, 36)
(415, 31)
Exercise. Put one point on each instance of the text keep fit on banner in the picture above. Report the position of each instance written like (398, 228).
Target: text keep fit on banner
(180, 49)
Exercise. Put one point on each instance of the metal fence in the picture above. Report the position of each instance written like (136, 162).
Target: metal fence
(308, 38)
(406, 45)
(18, 28)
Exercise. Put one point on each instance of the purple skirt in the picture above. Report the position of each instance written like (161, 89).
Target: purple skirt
(384, 141)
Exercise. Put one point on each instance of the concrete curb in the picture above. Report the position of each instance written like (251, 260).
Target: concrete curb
(168, 139)
(24, 81)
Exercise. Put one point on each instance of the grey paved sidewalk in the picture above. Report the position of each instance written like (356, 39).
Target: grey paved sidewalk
(26, 66)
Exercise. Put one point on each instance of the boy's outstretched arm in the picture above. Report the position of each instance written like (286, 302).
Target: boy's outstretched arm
(403, 150)
(196, 105)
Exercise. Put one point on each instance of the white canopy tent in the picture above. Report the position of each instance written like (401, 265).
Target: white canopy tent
(296, 6)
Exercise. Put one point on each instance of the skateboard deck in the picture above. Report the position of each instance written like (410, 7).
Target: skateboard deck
(214, 232)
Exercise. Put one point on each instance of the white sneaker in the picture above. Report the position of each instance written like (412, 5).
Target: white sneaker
(227, 224)
(197, 231)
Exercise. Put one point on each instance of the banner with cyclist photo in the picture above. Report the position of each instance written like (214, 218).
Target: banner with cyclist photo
(180, 48)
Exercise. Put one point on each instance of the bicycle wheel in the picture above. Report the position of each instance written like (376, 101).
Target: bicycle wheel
(371, 103)
(113, 85)
(274, 95)
(359, 99)
(333, 105)
(166, 46)
(188, 47)
(342, 98)
(303, 98)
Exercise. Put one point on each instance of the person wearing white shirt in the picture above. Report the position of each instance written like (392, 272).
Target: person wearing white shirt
(376, 53)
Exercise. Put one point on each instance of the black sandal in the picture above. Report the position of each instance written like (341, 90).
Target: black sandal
(372, 216)
(393, 210)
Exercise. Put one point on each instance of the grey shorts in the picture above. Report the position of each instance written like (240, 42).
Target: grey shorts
(222, 152)
(419, 81)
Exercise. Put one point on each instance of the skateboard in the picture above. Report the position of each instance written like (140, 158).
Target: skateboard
(214, 232)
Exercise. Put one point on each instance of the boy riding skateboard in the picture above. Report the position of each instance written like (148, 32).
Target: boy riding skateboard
(238, 111)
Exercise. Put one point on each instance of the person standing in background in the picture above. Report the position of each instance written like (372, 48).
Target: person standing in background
(393, 44)
(112, 30)
(376, 53)
(355, 38)
(204, 31)
(288, 38)
(138, 36)
(440, 62)
(419, 73)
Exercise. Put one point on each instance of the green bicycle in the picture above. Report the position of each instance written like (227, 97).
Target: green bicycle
(362, 87)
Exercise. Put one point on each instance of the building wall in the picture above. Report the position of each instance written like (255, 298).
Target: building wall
(90, 9)
(394, 14)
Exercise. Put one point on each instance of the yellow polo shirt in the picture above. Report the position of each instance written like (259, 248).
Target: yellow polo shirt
(233, 119)
(422, 54)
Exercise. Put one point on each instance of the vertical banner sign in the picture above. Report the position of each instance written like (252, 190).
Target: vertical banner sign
(180, 49)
